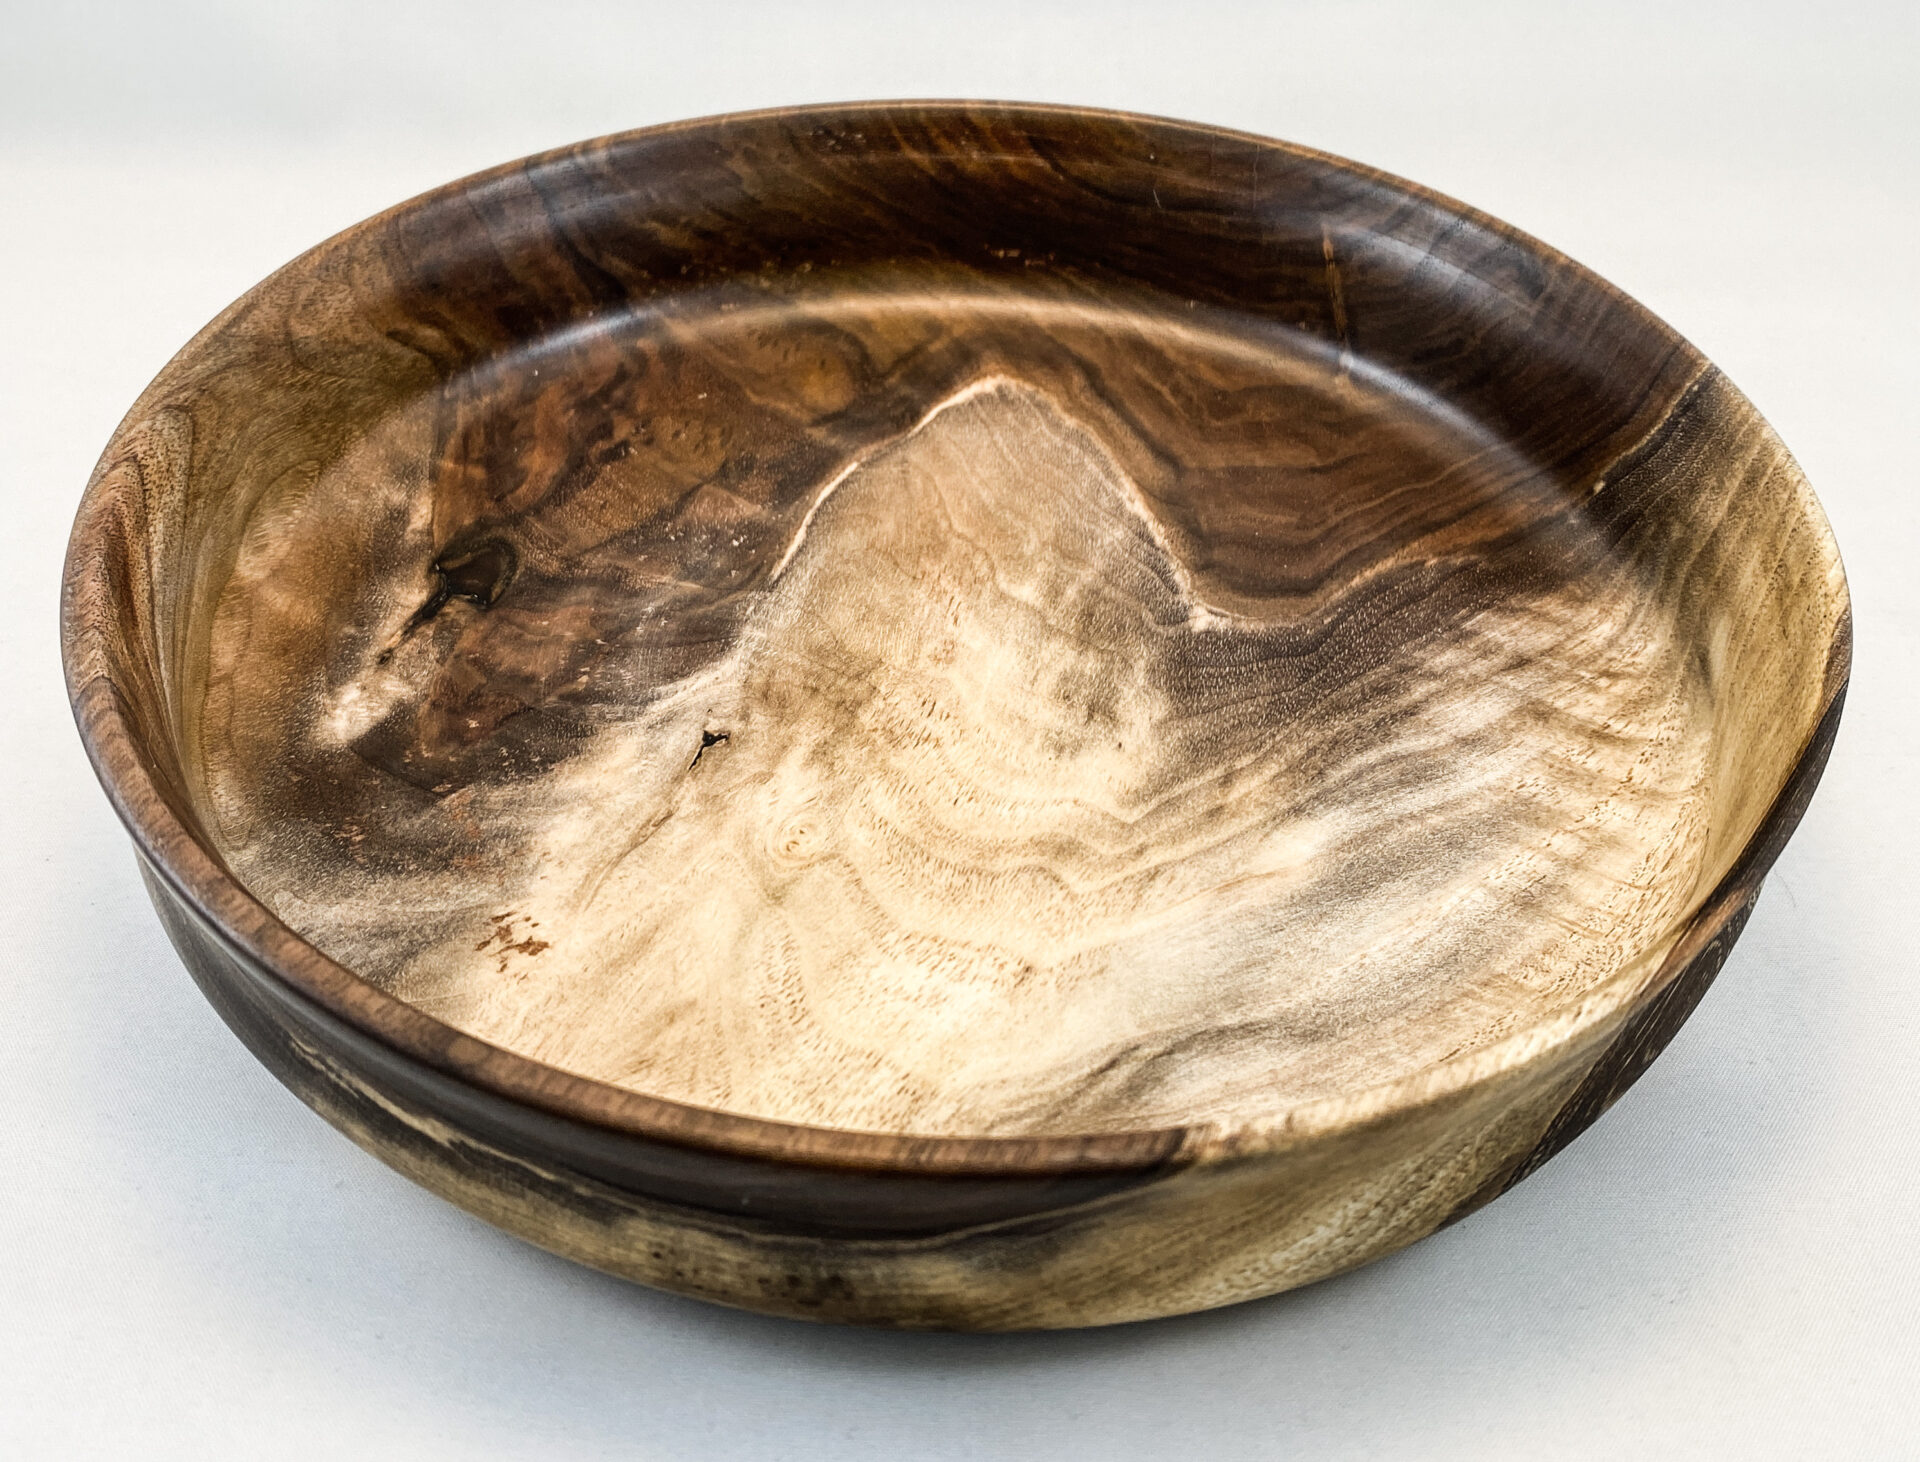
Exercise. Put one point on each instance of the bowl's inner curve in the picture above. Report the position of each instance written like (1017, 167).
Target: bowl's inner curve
(923, 712)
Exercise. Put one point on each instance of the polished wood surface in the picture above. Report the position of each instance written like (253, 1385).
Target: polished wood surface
(953, 715)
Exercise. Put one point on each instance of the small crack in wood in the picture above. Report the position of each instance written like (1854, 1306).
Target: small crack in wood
(707, 738)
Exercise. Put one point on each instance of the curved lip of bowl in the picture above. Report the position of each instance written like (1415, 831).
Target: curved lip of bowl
(220, 901)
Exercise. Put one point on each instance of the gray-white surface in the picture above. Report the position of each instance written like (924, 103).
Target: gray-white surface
(193, 1266)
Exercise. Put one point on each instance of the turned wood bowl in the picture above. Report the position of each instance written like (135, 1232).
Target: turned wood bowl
(952, 715)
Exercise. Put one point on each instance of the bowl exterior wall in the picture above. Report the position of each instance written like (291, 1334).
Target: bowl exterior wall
(940, 1252)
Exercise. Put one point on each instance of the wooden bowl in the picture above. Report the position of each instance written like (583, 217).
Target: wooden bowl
(952, 715)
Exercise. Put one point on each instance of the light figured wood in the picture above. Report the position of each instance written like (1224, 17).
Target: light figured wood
(947, 715)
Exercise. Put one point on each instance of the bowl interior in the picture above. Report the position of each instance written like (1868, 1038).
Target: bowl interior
(978, 624)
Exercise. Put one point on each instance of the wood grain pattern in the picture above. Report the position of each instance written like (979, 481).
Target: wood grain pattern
(1044, 717)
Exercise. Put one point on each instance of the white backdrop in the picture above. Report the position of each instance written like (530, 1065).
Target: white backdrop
(193, 1266)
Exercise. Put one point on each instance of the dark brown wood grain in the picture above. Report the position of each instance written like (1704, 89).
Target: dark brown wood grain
(959, 715)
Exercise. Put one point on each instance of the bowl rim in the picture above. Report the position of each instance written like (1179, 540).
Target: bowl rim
(240, 922)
